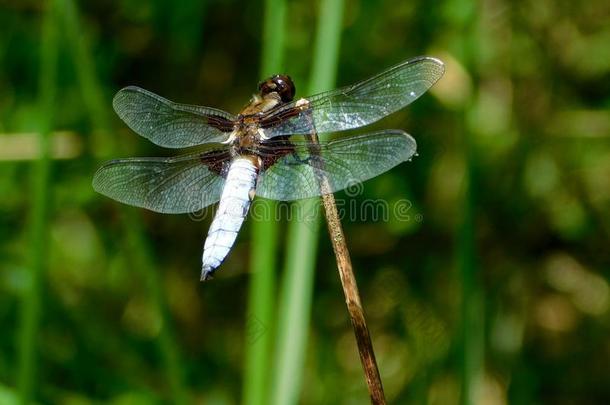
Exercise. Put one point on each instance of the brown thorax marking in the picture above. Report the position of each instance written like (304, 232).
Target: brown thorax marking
(248, 136)
(260, 104)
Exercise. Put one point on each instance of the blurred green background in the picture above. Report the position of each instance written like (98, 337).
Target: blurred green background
(492, 290)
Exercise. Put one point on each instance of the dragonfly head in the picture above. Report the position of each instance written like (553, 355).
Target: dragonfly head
(280, 84)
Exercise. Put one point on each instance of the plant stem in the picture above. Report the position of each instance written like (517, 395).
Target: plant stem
(472, 339)
(297, 285)
(348, 280)
(93, 97)
(264, 239)
(295, 305)
(272, 59)
(260, 308)
(30, 316)
(326, 48)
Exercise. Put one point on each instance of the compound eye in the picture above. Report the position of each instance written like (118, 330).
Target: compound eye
(285, 87)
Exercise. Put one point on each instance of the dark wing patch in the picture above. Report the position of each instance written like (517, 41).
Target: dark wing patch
(170, 124)
(173, 185)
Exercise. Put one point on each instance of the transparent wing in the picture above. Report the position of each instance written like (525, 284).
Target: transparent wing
(345, 162)
(169, 185)
(170, 124)
(360, 104)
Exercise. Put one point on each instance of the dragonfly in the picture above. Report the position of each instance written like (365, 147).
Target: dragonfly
(265, 150)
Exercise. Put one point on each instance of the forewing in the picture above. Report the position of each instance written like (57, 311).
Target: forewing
(170, 124)
(345, 162)
(360, 104)
(169, 185)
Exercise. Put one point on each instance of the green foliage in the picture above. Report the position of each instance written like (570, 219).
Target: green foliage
(261, 295)
(487, 282)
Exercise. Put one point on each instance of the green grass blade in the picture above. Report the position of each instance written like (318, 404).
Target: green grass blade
(31, 310)
(297, 286)
(272, 60)
(472, 341)
(295, 305)
(259, 318)
(264, 239)
(326, 48)
(97, 105)
(470, 350)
